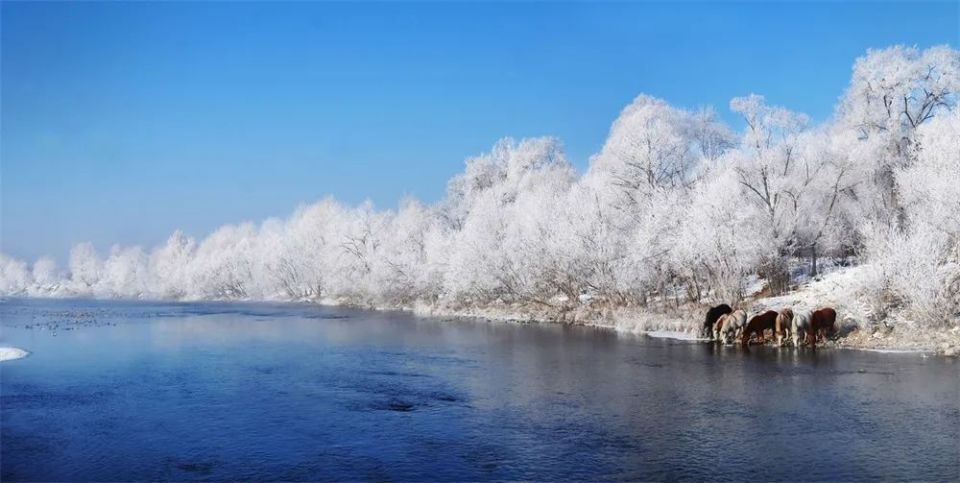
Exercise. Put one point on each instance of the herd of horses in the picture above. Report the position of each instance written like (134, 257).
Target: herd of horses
(724, 324)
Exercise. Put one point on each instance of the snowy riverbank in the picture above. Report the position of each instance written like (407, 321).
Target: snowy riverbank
(839, 288)
(685, 327)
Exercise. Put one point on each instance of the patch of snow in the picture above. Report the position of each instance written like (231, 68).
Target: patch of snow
(670, 334)
(12, 353)
(838, 288)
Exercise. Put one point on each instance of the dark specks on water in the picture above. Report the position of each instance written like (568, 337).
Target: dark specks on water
(212, 391)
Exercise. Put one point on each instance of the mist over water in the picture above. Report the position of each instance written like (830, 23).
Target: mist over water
(187, 391)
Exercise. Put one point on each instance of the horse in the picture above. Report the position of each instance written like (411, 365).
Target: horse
(782, 325)
(758, 324)
(731, 323)
(822, 321)
(712, 316)
(718, 326)
(800, 327)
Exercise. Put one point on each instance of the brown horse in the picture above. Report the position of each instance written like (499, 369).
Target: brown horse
(822, 322)
(713, 315)
(758, 324)
(784, 320)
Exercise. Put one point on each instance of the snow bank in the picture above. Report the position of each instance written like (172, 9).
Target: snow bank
(12, 353)
(840, 289)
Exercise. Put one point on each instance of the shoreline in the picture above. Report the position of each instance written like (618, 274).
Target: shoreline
(678, 324)
(684, 326)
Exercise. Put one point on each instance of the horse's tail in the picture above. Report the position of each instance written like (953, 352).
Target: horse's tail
(779, 326)
(783, 321)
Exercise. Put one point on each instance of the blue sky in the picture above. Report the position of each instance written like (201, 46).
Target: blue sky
(122, 122)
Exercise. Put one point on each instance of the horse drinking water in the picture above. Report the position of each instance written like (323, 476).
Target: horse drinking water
(784, 320)
(810, 325)
(757, 325)
(713, 315)
(822, 322)
(730, 324)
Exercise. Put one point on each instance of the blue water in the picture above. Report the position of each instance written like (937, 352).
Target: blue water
(161, 391)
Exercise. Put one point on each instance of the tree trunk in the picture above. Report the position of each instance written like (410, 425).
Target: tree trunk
(813, 260)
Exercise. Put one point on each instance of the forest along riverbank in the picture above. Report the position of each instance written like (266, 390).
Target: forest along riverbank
(857, 324)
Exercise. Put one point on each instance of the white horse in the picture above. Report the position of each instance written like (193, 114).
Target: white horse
(800, 326)
(731, 324)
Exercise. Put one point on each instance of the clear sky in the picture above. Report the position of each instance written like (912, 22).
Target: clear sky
(122, 122)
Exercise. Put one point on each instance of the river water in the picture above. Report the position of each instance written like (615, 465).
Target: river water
(213, 391)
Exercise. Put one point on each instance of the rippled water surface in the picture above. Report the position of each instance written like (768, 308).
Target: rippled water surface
(133, 391)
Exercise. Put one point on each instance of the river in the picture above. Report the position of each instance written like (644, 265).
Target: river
(224, 391)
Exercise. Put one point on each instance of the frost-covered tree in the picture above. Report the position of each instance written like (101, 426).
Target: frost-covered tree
(674, 207)
(15, 278)
(170, 267)
(488, 205)
(123, 274)
(716, 241)
(892, 93)
(45, 275)
(773, 176)
(86, 268)
(920, 267)
(651, 147)
(640, 180)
